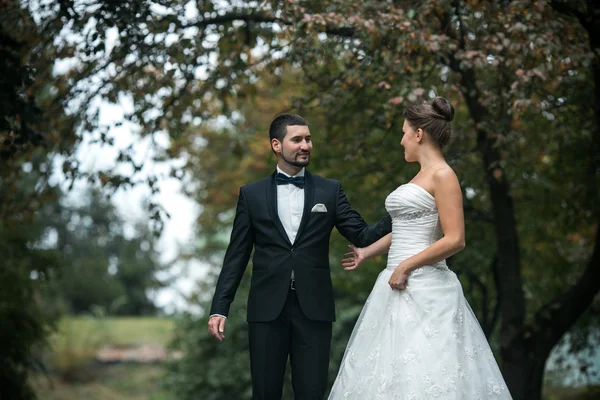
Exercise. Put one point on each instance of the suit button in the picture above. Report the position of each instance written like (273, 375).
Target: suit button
(293, 250)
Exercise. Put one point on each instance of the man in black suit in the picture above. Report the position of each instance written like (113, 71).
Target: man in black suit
(288, 218)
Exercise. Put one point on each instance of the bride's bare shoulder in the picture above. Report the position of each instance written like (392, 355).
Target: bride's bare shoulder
(443, 173)
(444, 178)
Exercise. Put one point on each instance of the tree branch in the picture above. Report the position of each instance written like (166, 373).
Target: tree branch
(235, 16)
(557, 316)
(347, 32)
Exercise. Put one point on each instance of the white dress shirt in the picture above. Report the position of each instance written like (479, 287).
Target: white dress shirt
(290, 206)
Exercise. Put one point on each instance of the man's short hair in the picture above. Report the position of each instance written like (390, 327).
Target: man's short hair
(278, 128)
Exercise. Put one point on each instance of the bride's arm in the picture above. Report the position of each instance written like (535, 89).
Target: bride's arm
(448, 199)
(354, 258)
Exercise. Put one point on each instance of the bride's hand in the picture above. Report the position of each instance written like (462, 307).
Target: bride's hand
(399, 278)
(353, 259)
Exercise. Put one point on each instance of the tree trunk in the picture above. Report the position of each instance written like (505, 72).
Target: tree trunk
(524, 377)
(510, 293)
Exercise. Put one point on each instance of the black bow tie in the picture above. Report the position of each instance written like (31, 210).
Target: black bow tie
(294, 180)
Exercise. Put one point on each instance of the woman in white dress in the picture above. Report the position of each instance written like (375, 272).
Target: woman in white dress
(416, 337)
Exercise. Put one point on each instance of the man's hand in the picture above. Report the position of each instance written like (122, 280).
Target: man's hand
(353, 259)
(216, 327)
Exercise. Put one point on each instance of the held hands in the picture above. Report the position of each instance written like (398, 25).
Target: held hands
(216, 327)
(354, 258)
(399, 278)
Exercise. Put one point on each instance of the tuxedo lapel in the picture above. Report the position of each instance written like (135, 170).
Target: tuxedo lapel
(272, 205)
(309, 197)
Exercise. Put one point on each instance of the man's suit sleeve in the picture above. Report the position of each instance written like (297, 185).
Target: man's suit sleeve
(236, 258)
(351, 225)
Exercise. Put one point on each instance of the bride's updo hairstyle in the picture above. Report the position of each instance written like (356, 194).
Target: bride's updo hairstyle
(433, 118)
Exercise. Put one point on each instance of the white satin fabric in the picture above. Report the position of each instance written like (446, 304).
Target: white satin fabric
(423, 342)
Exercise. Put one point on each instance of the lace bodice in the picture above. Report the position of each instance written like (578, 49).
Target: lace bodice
(415, 222)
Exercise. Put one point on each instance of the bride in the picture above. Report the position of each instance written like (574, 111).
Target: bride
(416, 337)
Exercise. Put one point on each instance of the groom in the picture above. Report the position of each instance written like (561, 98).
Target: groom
(288, 218)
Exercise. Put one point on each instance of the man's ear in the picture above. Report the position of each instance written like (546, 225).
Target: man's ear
(276, 145)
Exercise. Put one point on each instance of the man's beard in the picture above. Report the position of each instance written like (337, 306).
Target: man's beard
(295, 162)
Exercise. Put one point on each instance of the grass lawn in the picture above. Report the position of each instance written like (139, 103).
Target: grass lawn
(123, 382)
(116, 331)
(75, 375)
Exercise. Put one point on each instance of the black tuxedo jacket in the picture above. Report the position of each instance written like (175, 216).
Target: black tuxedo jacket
(257, 225)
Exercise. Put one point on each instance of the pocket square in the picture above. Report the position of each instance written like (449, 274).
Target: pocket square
(319, 208)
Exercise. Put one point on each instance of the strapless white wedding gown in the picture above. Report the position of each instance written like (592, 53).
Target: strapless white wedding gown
(423, 342)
